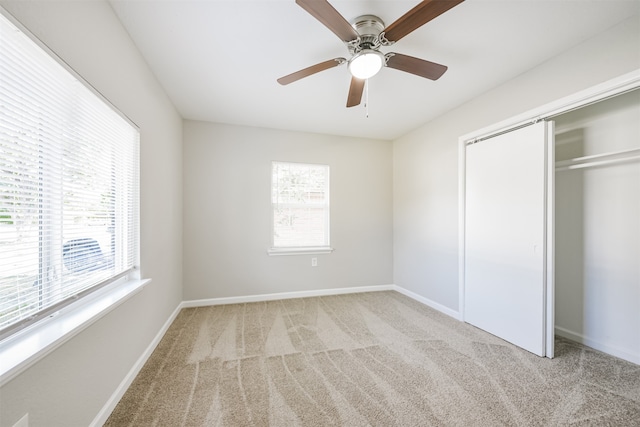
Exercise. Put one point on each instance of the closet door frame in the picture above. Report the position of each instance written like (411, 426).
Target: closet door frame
(610, 88)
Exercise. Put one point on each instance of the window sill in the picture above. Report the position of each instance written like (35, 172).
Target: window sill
(26, 347)
(300, 251)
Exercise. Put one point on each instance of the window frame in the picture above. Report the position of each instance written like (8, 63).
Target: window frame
(24, 345)
(308, 249)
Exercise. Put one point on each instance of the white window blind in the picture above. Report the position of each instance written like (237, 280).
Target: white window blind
(68, 185)
(300, 202)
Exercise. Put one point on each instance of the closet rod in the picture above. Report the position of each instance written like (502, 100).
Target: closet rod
(597, 163)
(597, 156)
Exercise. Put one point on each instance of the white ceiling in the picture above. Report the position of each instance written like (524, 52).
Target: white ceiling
(218, 60)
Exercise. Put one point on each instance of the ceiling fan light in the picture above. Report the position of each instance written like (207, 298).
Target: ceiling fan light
(366, 64)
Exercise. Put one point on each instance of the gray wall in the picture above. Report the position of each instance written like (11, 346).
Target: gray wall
(72, 384)
(227, 212)
(425, 166)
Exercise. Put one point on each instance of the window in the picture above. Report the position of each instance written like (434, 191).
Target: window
(68, 185)
(300, 208)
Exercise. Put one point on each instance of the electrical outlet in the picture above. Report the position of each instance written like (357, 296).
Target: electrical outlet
(314, 262)
(23, 422)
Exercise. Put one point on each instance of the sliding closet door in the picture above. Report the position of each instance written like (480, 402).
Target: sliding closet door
(506, 225)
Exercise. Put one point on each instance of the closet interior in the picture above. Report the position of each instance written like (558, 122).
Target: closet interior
(597, 225)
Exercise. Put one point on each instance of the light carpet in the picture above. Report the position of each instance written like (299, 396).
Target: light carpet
(368, 359)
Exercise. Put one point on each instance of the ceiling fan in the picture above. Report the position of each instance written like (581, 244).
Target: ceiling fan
(365, 37)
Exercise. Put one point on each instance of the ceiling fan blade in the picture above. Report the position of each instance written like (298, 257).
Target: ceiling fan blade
(355, 92)
(311, 70)
(331, 18)
(417, 66)
(424, 12)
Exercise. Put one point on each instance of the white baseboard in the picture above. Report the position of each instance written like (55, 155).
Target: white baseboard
(426, 301)
(286, 295)
(598, 345)
(323, 292)
(104, 413)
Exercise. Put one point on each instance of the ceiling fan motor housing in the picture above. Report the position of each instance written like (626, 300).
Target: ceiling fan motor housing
(369, 27)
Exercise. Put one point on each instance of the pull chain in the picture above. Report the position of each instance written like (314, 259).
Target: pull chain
(366, 98)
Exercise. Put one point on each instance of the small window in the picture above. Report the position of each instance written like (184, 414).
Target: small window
(300, 208)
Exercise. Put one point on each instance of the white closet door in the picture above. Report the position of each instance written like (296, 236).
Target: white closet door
(505, 287)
